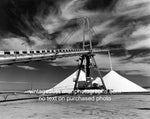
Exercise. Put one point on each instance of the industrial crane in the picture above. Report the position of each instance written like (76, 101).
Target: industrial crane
(86, 54)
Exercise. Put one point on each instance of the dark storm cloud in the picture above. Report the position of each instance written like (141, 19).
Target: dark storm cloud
(18, 16)
(126, 24)
(127, 21)
(138, 53)
(94, 5)
(25, 17)
(130, 25)
(72, 24)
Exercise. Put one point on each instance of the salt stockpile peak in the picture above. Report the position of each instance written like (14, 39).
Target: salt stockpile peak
(67, 85)
(118, 83)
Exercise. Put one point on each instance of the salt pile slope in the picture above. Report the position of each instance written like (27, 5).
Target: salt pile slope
(67, 85)
(118, 83)
(97, 81)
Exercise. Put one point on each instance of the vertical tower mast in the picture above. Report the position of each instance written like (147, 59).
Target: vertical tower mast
(110, 60)
(86, 59)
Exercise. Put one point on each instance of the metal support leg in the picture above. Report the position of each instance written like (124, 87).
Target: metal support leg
(80, 68)
(87, 68)
(99, 72)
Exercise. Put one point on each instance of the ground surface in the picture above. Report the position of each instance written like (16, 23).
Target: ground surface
(120, 107)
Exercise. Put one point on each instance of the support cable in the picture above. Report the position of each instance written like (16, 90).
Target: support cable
(110, 62)
(98, 72)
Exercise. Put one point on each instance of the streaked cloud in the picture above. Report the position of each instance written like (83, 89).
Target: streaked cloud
(72, 61)
(4, 66)
(27, 67)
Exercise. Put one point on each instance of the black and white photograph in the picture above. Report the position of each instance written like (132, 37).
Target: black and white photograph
(74, 59)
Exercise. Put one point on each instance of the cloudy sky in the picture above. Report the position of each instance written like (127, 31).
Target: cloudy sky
(123, 26)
